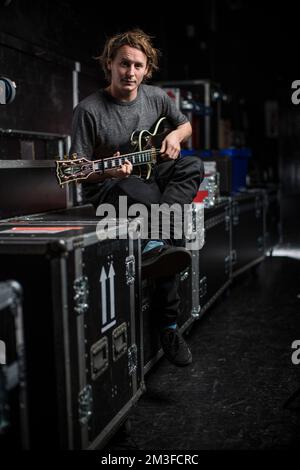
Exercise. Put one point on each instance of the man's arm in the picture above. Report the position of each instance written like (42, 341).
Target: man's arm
(170, 147)
(184, 131)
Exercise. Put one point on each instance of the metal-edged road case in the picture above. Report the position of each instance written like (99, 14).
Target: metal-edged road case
(247, 231)
(13, 394)
(82, 328)
(215, 256)
(188, 290)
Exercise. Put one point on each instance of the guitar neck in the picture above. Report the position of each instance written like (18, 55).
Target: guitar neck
(136, 158)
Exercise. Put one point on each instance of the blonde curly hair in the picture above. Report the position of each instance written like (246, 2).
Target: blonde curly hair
(134, 38)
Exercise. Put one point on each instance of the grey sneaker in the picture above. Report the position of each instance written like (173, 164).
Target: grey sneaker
(175, 348)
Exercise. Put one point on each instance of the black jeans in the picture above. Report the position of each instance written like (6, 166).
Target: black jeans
(172, 181)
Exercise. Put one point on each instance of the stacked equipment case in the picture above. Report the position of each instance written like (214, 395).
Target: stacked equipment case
(82, 326)
(89, 324)
(247, 231)
(188, 289)
(215, 257)
(13, 392)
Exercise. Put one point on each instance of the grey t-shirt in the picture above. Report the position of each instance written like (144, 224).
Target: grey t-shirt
(102, 125)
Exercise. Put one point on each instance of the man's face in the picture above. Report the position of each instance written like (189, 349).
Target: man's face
(128, 69)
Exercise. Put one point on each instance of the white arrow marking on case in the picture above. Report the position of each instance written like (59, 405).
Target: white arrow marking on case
(103, 278)
(111, 275)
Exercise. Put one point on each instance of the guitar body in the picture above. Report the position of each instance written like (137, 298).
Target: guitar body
(145, 139)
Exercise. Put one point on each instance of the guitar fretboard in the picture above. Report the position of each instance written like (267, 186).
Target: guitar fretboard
(136, 158)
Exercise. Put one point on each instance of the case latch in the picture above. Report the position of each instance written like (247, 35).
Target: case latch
(203, 287)
(195, 312)
(132, 359)
(119, 337)
(184, 275)
(81, 293)
(99, 357)
(85, 402)
(130, 269)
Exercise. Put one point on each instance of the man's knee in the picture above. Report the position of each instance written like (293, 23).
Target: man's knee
(193, 164)
(138, 191)
(124, 183)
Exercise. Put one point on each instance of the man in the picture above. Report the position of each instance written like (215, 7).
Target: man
(102, 126)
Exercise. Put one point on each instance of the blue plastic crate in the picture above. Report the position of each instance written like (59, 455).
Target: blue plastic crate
(206, 153)
(240, 158)
(190, 152)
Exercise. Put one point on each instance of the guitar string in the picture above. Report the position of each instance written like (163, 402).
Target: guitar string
(90, 166)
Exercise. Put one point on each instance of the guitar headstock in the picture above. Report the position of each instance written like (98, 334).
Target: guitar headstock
(74, 169)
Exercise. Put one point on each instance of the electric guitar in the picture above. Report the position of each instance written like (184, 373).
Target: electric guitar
(146, 154)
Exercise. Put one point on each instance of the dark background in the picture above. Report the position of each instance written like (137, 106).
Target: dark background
(250, 48)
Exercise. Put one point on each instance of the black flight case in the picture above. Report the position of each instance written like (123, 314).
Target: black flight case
(82, 326)
(215, 256)
(248, 236)
(13, 394)
(188, 289)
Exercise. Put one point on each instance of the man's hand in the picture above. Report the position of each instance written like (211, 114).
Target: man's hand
(123, 171)
(170, 147)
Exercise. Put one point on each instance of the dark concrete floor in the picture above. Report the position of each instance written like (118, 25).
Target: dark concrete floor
(242, 390)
